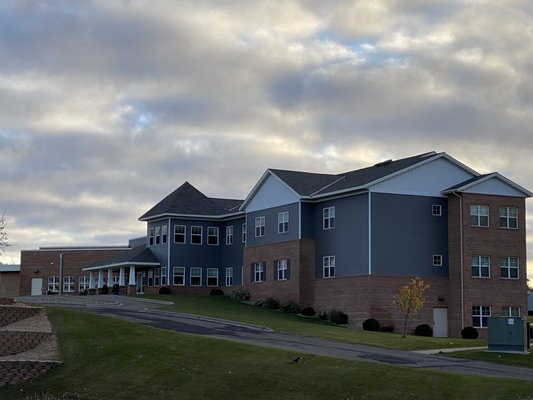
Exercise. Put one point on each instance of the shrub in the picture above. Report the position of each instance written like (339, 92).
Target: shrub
(216, 292)
(371, 324)
(323, 315)
(387, 328)
(290, 307)
(165, 290)
(308, 312)
(338, 317)
(271, 302)
(115, 289)
(104, 290)
(83, 292)
(469, 333)
(240, 295)
(424, 330)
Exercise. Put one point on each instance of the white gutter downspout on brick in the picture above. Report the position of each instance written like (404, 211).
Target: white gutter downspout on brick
(462, 260)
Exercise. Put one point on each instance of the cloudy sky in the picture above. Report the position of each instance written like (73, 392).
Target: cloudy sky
(107, 106)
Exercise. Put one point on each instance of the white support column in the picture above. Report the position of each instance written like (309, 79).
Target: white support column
(121, 277)
(110, 278)
(100, 279)
(91, 280)
(132, 281)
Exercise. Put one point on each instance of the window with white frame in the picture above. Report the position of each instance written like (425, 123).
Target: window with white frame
(196, 276)
(480, 315)
(179, 234)
(328, 218)
(157, 234)
(196, 235)
(328, 266)
(164, 232)
(212, 235)
(509, 217)
(511, 311)
(163, 276)
(436, 210)
(83, 283)
(229, 235)
(157, 276)
(151, 236)
(259, 226)
(437, 260)
(244, 233)
(283, 222)
(212, 276)
(150, 278)
(68, 284)
(178, 276)
(481, 266)
(259, 271)
(479, 215)
(282, 269)
(53, 284)
(509, 267)
(229, 276)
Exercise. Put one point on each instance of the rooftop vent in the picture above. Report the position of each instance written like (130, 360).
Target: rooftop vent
(383, 163)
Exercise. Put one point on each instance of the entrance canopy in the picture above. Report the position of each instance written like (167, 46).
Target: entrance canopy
(139, 256)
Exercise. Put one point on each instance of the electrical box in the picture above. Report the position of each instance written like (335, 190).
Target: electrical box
(508, 334)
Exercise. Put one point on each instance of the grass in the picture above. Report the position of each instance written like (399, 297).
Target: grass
(225, 308)
(519, 360)
(106, 358)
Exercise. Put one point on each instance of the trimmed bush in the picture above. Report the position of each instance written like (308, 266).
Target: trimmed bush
(308, 312)
(387, 328)
(424, 330)
(469, 333)
(338, 317)
(165, 290)
(216, 292)
(104, 290)
(291, 307)
(272, 303)
(371, 324)
(240, 295)
(323, 315)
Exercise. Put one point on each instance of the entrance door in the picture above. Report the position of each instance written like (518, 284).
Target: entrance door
(140, 289)
(440, 322)
(36, 286)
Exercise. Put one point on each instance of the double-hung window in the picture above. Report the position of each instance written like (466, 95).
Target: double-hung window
(243, 233)
(328, 267)
(179, 234)
(479, 215)
(151, 236)
(212, 235)
(157, 276)
(229, 235)
(509, 267)
(509, 217)
(53, 284)
(178, 276)
(437, 260)
(481, 266)
(510, 311)
(480, 315)
(259, 271)
(282, 269)
(196, 276)
(157, 234)
(212, 276)
(163, 276)
(229, 276)
(196, 235)
(83, 283)
(328, 218)
(259, 226)
(436, 210)
(283, 222)
(68, 284)
(164, 231)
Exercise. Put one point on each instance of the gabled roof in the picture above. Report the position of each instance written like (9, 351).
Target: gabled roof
(187, 200)
(137, 256)
(470, 183)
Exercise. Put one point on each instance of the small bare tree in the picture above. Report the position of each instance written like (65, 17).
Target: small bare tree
(410, 299)
(3, 234)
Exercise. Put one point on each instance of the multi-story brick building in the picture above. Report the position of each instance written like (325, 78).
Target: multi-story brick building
(346, 241)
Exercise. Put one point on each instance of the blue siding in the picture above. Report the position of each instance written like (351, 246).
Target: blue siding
(348, 241)
(271, 225)
(405, 235)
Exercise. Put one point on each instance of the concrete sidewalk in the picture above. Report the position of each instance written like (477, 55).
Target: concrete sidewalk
(450, 350)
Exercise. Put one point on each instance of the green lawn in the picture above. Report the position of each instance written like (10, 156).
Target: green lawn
(224, 307)
(106, 358)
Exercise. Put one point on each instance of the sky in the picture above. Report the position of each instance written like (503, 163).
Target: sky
(108, 106)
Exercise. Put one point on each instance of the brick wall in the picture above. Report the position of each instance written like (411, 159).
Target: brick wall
(9, 284)
(11, 314)
(14, 342)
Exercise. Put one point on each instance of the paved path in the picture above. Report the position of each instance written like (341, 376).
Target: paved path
(138, 310)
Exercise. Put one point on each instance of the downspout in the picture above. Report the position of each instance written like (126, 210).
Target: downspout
(462, 260)
(168, 252)
(60, 274)
(369, 233)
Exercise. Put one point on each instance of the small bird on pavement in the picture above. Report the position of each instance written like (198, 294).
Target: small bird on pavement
(296, 359)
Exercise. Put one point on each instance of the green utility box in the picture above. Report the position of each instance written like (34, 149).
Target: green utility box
(508, 334)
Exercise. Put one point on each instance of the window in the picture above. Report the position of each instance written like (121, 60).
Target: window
(212, 276)
(259, 271)
(229, 235)
(437, 260)
(509, 267)
(196, 235)
(479, 215)
(229, 276)
(163, 276)
(509, 217)
(282, 269)
(480, 316)
(157, 234)
(196, 276)
(150, 278)
(83, 283)
(510, 311)
(212, 235)
(260, 226)
(481, 266)
(436, 210)
(164, 232)
(283, 222)
(53, 284)
(179, 234)
(328, 265)
(244, 233)
(68, 284)
(328, 214)
(151, 236)
(157, 276)
(178, 276)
